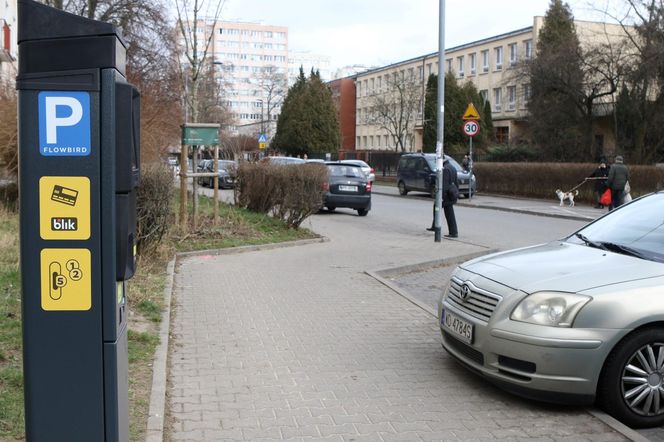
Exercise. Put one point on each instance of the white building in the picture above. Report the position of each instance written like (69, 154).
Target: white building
(248, 57)
(308, 60)
(488, 64)
(8, 44)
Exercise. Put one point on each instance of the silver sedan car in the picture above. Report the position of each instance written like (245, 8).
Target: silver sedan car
(579, 320)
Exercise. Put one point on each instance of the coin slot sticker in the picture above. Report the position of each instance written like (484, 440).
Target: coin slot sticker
(66, 283)
(64, 207)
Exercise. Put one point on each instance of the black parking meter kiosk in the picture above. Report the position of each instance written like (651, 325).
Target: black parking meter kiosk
(78, 175)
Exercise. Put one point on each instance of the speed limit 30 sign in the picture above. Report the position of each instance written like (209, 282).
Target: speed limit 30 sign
(471, 128)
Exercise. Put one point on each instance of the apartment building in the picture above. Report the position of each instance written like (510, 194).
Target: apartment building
(489, 64)
(8, 44)
(247, 57)
(308, 60)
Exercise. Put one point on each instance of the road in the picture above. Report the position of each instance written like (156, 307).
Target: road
(300, 342)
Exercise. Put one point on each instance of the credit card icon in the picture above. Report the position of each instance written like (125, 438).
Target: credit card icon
(64, 195)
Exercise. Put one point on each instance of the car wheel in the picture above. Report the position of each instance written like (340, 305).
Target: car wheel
(466, 195)
(331, 208)
(362, 212)
(631, 385)
(402, 188)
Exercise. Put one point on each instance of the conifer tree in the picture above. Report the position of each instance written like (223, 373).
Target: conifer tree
(556, 82)
(308, 122)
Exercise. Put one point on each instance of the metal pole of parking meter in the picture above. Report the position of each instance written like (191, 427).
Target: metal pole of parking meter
(441, 118)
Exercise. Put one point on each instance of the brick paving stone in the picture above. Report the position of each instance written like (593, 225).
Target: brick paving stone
(299, 343)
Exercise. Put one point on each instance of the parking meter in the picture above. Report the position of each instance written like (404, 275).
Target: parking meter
(79, 150)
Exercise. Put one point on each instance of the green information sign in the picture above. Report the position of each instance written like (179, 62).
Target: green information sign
(200, 134)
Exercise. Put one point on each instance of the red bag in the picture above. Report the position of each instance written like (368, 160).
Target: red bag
(605, 200)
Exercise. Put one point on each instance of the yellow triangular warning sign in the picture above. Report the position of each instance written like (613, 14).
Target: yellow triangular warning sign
(471, 113)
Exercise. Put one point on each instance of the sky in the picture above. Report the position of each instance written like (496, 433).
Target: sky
(380, 32)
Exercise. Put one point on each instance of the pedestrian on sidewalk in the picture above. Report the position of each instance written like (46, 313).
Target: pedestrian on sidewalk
(450, 197)
(616, 180)
(600, 175)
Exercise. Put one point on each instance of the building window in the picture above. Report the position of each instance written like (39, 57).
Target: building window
(460, 64)
(484, 94)
(499, 58)
(526, 93)
(357, 142)
(366, 88)
(472, 64)
(511, 97)
(497, 99)
(485, 61)
(371, 141)
(429, 71)
(359, 88)
(420, 72)
(513, 54)
(377, 140)
(449, 65)
(364, 141)
(372, 85)
(503, 135)
(529, 49)
(380, 83)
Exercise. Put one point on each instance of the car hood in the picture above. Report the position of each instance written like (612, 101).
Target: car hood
(562, 266)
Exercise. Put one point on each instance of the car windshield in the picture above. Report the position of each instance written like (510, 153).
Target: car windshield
(636, 229)
(341, 170)
(226, 164)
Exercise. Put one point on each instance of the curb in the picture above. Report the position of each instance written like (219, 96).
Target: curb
(155, 430)
(157, 408)
(252, 248)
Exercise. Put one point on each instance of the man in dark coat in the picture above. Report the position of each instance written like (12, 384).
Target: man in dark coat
(618, 177)
(450, 197)
(600, 175)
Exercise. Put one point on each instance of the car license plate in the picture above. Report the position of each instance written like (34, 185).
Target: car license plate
(457, 326)
(348, 188)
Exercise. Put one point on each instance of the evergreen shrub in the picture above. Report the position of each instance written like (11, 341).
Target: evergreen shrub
(289, 192)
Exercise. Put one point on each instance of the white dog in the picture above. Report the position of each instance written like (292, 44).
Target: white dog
(562, 196)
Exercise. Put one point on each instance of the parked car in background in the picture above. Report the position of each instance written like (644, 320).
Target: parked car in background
(368, 170)
(315, 160)
(227, 173)
(347, 186)
(283, 160)
(575, 320)
(417, 171)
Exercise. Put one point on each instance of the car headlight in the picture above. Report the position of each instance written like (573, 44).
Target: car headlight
(555, 309)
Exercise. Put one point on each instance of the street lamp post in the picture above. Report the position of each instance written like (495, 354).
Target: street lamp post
(260, 100)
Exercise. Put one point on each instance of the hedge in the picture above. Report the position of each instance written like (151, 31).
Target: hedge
(540, 180)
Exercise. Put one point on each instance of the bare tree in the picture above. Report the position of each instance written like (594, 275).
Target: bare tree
(396, 109)
(272, 85)
(194, 18)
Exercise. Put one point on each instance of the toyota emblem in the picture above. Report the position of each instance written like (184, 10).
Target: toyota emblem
(465, 292)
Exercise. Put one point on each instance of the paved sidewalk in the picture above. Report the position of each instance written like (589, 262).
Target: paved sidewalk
(299, 343)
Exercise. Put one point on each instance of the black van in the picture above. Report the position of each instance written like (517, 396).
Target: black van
(417, 171)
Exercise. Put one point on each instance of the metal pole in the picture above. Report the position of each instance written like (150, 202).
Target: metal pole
(183, 188)
(470, 168)
(215, 183)
(441, 120)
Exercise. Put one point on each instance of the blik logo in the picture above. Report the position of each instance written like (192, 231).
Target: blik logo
(64, 123)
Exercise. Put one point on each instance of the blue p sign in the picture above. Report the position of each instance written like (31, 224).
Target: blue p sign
(64, 123)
